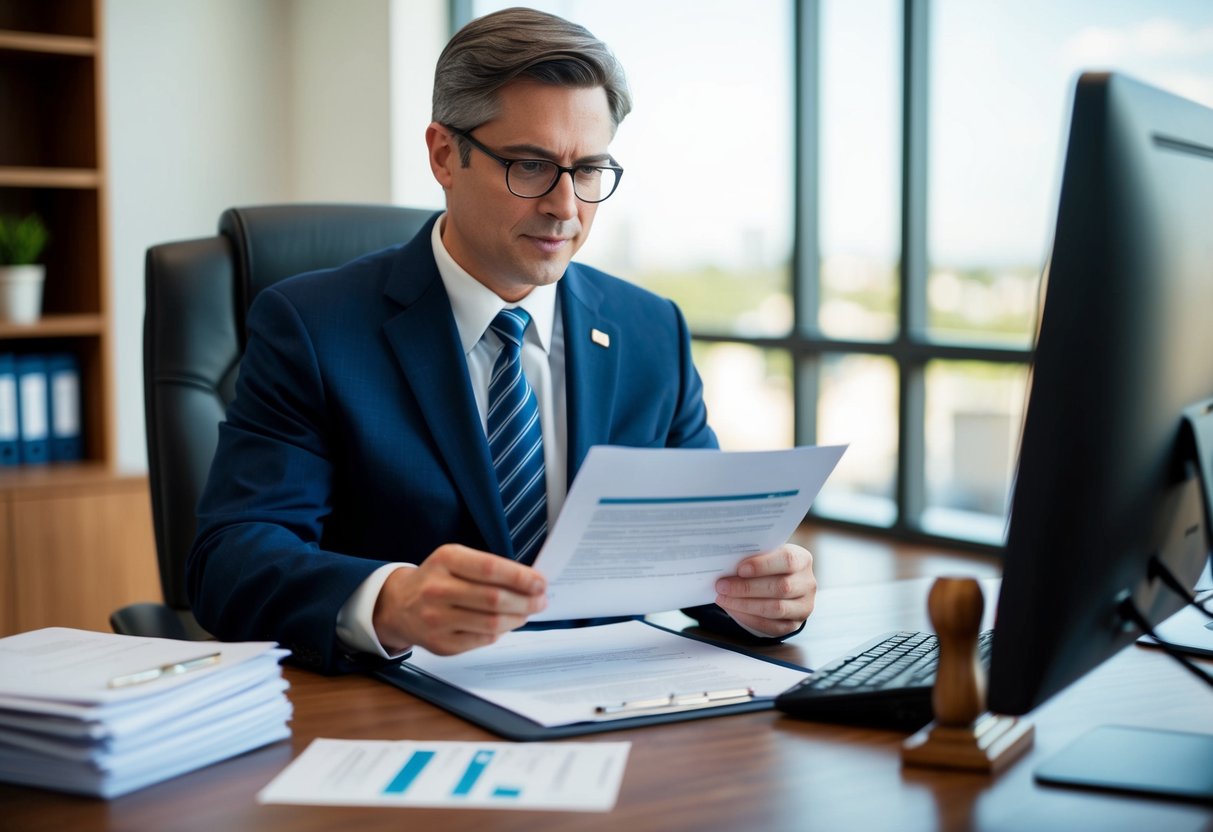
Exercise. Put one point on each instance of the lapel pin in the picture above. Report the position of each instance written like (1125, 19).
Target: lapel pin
(600, 338)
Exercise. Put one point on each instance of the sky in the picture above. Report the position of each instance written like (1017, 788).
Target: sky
(1002, 79)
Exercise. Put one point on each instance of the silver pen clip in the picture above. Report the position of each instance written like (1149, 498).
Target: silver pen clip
(171, 669)
(700, 699)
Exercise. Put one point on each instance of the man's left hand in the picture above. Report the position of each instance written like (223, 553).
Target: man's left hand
(772, 593)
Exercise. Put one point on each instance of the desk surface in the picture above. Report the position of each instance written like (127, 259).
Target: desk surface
(757, 771)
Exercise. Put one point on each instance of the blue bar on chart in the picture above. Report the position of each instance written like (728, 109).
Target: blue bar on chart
(409, 772)
(480, 761)
(507, 791)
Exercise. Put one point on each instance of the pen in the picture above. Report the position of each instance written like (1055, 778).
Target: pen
(171, 669)
(679, 700)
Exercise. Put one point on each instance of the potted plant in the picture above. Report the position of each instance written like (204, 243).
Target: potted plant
(21, 275)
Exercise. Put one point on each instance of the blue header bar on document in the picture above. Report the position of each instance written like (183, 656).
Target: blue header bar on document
(717, 498)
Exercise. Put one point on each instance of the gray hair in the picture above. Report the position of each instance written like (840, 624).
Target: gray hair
(494, 50)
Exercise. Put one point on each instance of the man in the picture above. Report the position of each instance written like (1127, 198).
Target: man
(385, 459)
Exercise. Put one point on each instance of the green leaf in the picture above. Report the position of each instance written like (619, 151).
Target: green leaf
(21, 239)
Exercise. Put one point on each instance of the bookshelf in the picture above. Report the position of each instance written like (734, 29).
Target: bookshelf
(75, 537)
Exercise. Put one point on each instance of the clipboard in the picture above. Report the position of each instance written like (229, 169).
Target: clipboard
(514, 726)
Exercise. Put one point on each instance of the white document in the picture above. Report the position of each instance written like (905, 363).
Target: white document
(561, 677)
(646, 530)
(1189, 629)
(75, 667)
(575, 777)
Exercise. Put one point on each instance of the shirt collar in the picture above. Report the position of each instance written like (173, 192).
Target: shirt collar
(475, 305)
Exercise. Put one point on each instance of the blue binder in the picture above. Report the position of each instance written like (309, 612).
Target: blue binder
(33, 418)
(63, 403)
(10, 426)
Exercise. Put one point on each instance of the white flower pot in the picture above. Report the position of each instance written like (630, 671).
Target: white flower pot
(21, 293)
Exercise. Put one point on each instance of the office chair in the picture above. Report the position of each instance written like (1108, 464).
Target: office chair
(198, 292)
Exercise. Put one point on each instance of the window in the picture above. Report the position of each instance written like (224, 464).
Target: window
(859, 246)
(999, 89)
(857, 145)
(704, 214)
(1001, 76)
(981, 114)
(859, 152)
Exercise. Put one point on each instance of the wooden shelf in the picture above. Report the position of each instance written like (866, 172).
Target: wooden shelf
(55, 326)
(55, 477)
(12, 41)
(52, 166)
(75, 537)
(27, 177)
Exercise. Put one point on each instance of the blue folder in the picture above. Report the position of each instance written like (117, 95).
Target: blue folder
(10, 426)
(63, 403)
(33, 415)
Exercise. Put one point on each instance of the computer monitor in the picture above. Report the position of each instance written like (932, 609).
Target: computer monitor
(1107, 477)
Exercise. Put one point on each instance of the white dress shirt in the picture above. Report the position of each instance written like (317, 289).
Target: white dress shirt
(475, 306)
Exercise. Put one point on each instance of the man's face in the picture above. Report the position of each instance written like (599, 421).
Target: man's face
(508, 243)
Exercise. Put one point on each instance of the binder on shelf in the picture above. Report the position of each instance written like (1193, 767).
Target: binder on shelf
(63, 403)
(33, 419)
(10, 427)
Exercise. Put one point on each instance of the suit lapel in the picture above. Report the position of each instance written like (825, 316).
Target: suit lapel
(591, 368)
(426, 343)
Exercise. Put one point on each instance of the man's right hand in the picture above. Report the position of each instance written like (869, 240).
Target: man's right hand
(457, 599)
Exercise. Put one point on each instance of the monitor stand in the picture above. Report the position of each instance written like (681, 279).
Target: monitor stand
(1173, 764)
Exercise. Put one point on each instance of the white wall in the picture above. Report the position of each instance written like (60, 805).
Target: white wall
(196, 121)
(341, 113)
(214, 103)
(419, 31)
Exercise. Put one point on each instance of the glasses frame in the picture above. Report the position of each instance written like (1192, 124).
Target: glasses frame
(560, 169)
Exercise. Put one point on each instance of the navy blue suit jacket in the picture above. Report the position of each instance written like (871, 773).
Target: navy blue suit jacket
(354, 438)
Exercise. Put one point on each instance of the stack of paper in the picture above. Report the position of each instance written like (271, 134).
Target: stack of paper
(103, 714)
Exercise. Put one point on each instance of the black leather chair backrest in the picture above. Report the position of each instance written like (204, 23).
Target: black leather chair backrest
(198, 292)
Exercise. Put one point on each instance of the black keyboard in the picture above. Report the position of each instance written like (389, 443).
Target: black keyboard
(885, 683)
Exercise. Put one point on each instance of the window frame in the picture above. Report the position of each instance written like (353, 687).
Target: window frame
(912, 348)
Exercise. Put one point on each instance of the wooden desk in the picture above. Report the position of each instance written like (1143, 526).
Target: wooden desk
(758, 771)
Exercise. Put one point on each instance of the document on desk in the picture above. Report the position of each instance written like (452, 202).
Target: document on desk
(645, 530)
(1189, 631)
(70, 672)
(571, 777)
(615, 671)
(105, 714)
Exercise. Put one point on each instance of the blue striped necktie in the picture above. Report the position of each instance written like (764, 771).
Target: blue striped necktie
(516, 439)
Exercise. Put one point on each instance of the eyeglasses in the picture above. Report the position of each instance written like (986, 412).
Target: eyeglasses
(533, 178)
